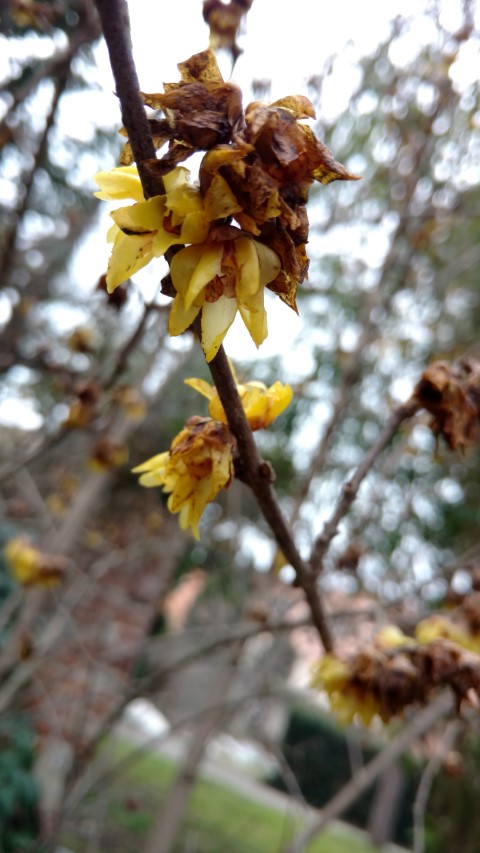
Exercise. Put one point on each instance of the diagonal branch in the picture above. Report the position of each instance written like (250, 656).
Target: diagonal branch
(351, 487)
(258, 475)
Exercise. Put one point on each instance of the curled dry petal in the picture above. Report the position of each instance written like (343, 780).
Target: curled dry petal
(448, 393)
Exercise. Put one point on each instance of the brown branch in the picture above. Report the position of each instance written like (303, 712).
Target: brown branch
(258, 475)
(130, 344)
(418, 726)
(116, 31)
(7, 251)
(351, 487)
(426, 782)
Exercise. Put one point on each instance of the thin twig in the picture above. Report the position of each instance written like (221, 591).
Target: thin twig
(31, 455)
(426, 782)
(130, 344)
(7, 253)
(351, 487)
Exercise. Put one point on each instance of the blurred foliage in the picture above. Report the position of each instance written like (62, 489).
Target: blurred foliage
(18, 790)
(312, 742)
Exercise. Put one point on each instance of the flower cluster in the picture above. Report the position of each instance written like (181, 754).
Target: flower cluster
(200, 461)
(397, 671)
(245, 226)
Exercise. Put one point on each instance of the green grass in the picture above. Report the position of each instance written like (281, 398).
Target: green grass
(217, 821)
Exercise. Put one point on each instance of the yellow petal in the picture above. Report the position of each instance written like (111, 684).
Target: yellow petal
(202, 387)
(129, 254)
(119, 183)
(180, 317)
(217, 317)
(112, 233)
(268, 261)
(194, 228)
(220, 201)
(249, 268)
(208, 266)
(255, 317)
(178, 177)
(154, 462)
(262, 405)
(140, 218)
(183, 266)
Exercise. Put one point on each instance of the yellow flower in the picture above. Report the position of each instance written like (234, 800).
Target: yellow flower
(261, 404)
(146, 229)
(220, 278)
(23, 560)
(346, 700)
(440, 627)
(198, 465)
(29, 566)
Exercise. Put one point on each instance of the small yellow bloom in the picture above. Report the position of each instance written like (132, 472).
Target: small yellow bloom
(391, 637)
(347, 702)
(107, 454)
(219, 279)
(23, 560)
(441, 627)
(146, 229)
(261, 404)
(31, 567)
(198, 465)
(130, 401)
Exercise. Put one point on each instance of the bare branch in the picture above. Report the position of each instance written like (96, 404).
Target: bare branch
(351, 487)
(116, 30)
(258, 475)
(425, 786)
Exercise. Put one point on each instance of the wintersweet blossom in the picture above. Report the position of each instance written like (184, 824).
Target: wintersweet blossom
(219, 279)
(346, 701)
(30, 566)
(261, 404)
(198, 465)
(146, 229)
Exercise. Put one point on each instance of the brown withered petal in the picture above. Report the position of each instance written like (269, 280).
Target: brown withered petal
(161, 133)
(201, 66)
(116, 299)
(290, 151)
(444, 393)
(293, 259)
(224, 20)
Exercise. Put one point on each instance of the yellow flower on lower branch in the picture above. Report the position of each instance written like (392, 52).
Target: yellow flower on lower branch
(347, 701)
(261, 404)
(219, 279)
(198, 465)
